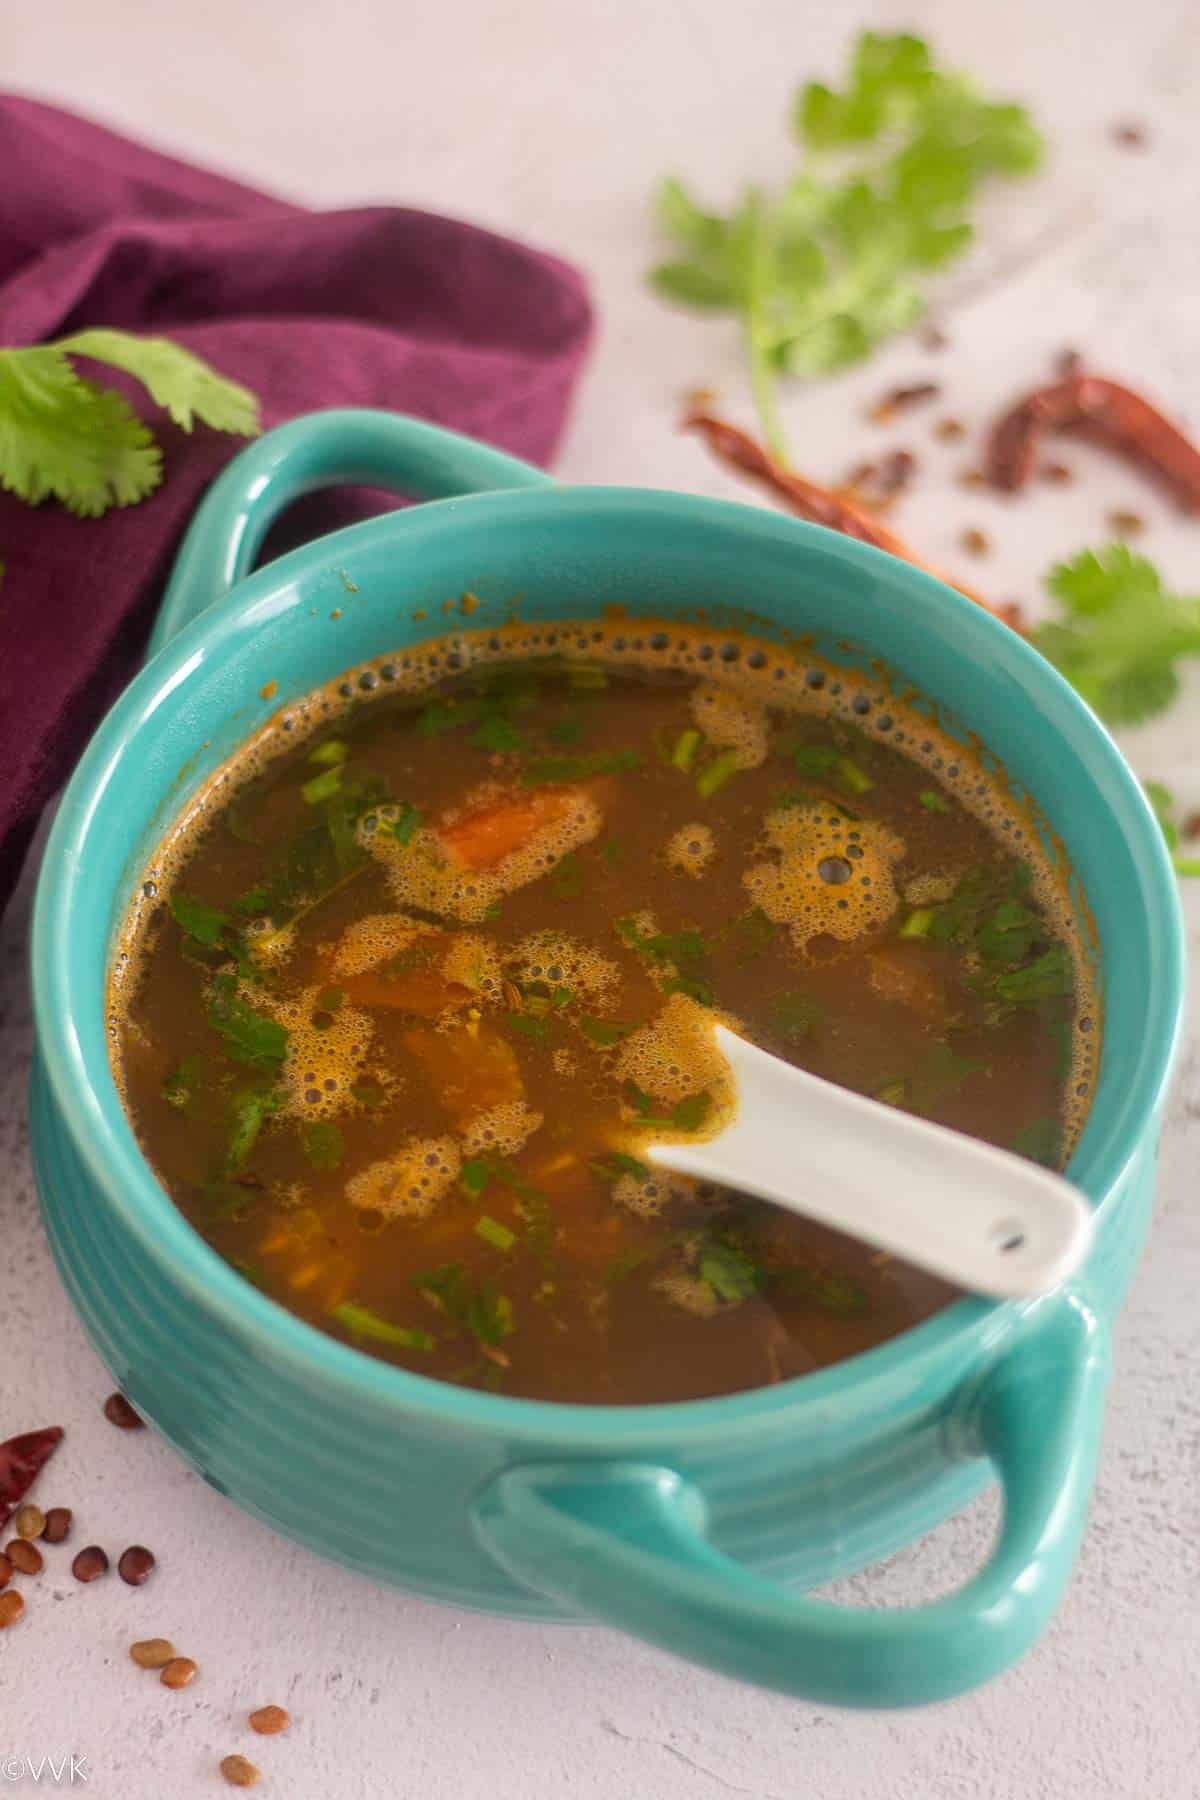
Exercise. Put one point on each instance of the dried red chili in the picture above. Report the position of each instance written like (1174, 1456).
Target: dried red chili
(1108, 414)
(22, 1460)
(823, 506)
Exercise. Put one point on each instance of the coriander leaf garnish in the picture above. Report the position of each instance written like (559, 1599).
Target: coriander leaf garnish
(1163, 802)
(730, 1273)
(830, 265)
(179, 1087)
(407, 823)
(603, 1032)
(473, 1306)
(250, 1037)
(1048, 977)
(323, 1143)
(196, 919)
(251, 1109)
(61, 436)
(1122, 633)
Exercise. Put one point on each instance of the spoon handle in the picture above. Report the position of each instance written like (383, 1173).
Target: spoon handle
(983, 1218)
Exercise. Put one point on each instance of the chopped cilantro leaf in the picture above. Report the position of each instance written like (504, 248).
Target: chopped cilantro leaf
(205, 924)
(1008, 934)
(1048, 977)
(251, 1109)
(179, 1087)
(529, 1026)
(496, 732)
(407, 823)
(729, 1272)
(323, 1143)
(934, 801)
(473, 1177)
(603, 1032)
(250, 1037)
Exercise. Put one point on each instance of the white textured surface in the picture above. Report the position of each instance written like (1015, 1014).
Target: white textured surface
(551, 119)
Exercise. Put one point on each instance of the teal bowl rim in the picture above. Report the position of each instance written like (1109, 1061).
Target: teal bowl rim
(105, 1141)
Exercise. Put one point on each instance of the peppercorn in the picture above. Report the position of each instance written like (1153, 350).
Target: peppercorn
(268, 1721)
(118, 1411)
(135, 1564)
(12, 1605)
(152, 1653)
(90, 1563)
(30, 1521)
(238, 1772)
(58, 1524)
(25, 1556)
(179, 1672)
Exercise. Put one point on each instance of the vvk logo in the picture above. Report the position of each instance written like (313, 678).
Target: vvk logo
(45, 1771)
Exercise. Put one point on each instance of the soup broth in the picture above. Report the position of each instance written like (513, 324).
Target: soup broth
(420, 972)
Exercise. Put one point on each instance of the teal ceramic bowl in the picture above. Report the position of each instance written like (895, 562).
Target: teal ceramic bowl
(697, 1526)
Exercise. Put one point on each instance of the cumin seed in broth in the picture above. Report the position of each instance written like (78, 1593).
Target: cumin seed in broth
(376, 1086)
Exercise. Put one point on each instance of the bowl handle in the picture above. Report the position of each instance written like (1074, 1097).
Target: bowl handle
(355, 446)
(625, 1542)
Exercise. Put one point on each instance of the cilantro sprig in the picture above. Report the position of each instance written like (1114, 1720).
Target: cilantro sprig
(64, 437)
(821, 271)
(1163, 802)
(1121, 635)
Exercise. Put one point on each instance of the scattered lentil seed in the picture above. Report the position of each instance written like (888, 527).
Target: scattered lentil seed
(268, 1721)
(30, 1521)
(90, 1563)
(135, 1565)
(239, 1772)
(933, 338)
(118, 1411)
(153, 1653)
(1056, 472)
(976, 542)
(178, 1672)
(1130, 135)
(1126, 524)
(973, 478)
(6, 1570)
(949, 431)
(1068, 363)
(25, 1556)
(12, 1605)
(58, 1524)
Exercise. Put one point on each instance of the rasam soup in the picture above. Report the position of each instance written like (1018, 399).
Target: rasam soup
(421, 970)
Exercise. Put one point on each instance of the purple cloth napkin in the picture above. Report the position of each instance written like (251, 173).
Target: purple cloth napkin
(378, 306)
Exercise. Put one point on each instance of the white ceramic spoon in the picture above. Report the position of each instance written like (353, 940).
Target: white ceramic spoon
(983, 1218)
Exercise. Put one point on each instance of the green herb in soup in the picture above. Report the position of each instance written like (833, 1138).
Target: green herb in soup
(440, 954)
